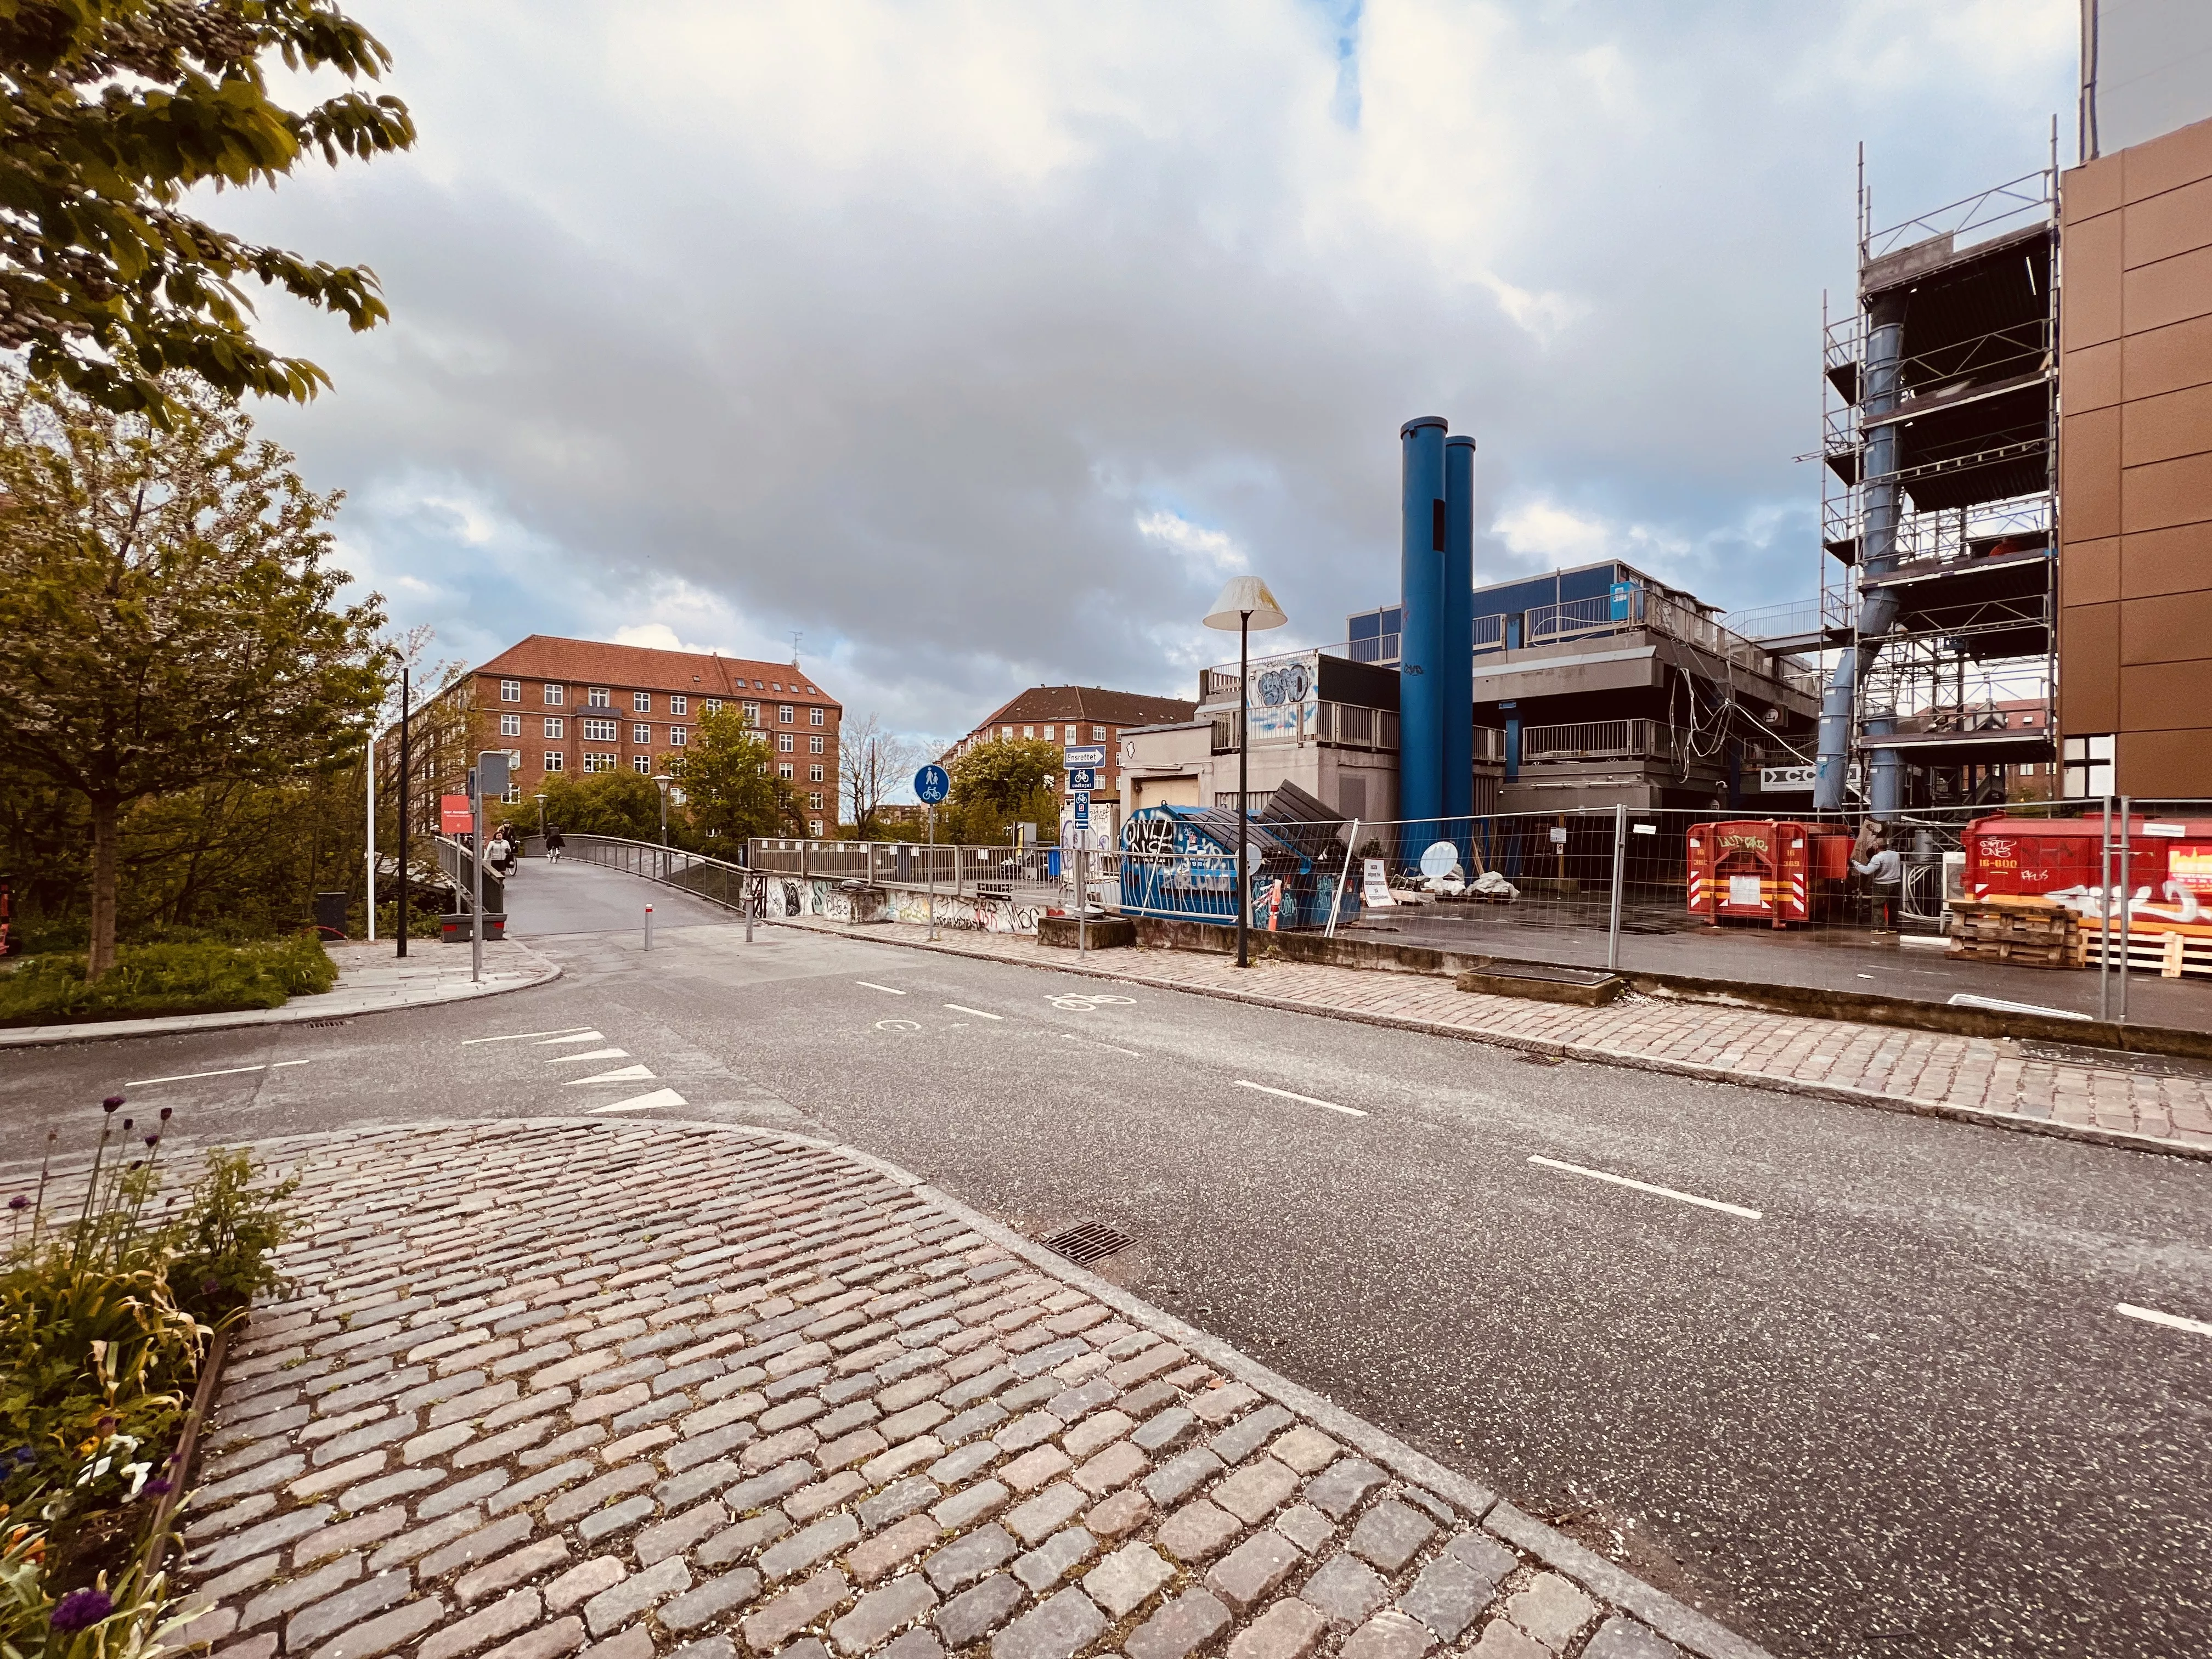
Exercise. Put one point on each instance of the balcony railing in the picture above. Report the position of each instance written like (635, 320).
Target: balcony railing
(1596, 740)
(1340, 725)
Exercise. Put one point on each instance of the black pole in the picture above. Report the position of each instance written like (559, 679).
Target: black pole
(1243, 697)
(406, 775)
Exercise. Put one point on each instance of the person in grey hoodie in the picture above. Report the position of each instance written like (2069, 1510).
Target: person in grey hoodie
(1885, 873)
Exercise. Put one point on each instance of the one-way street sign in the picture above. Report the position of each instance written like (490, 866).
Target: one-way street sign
(1089, 754)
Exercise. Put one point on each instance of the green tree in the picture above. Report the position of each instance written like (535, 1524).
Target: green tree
(167, 618)
(730, 782)
(624, 804)
(115, 110)
(1004, 781)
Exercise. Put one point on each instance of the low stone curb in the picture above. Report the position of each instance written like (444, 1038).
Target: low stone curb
(1914, 1106)
(597, 1265)
(539, 969)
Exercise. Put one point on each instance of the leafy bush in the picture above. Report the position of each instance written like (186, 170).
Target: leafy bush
(168, 979)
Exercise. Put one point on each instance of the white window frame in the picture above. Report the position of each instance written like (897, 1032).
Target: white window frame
(814, 774)
(641, 763)
(600, 731)
(751, 712)
(599, 696)
(817, 716)
(678, 736)
(783, 772)
(555, 695)
(641, 734)
(785, 743)
(594, 762)
(510, 725)
(815, 828)
(510, 690)
(712, 706)
(680, 705)
(556, 726)
(555, 762)
(786, 714)
(641, 702)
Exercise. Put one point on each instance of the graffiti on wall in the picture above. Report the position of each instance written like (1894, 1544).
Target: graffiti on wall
(962, 913)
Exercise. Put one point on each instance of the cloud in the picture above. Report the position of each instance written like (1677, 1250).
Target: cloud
(975, 344)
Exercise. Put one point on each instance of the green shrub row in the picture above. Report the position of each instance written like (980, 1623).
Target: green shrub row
(166, 979)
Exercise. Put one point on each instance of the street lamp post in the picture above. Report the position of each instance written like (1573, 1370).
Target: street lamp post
(1245, 604)
(540, 800)
(663, 779)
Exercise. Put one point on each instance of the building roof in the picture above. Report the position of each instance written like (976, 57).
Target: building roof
(1088, 702)
(548, 657)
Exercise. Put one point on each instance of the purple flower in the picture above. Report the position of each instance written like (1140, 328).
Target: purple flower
(158, 1487)
(166, 1110)
(210, 1286)
(81, 1609)
(126, 1126)
(152, 1140)
(19, 1202)
(109, 1104)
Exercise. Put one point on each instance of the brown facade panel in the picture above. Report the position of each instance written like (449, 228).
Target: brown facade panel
(2167, 163)
(2094, 282)
(2089, 668)
(2166, 429)
(2086, 191)
(2177, 560)
(2164, 765)
(2172, 291)
(2166, 359)
(2169, 628)
(2091, 377)
(2161, 696)
(2165, 493)
(2167, 225)
(2090, 572)
(2089, 476)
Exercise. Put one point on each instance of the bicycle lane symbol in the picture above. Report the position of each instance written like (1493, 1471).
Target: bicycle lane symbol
(1086, 1002)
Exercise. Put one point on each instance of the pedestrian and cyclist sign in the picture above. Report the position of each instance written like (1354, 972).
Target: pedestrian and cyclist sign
(932, 785)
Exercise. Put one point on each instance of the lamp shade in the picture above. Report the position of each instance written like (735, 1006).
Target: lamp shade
(1243, 597)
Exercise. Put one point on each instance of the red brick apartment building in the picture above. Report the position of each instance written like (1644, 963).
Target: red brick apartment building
(1079, 714)
(559, 706)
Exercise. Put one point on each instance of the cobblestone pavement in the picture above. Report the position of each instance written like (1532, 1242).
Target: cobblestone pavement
(623, 1388)
(371, 980)
(1985, 1079)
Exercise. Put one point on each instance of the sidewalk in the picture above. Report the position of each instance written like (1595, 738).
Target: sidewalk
(371, 980)
(1977, 1080)
(623, 1389)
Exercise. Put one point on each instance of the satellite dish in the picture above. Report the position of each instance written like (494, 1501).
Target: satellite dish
(1441, 859)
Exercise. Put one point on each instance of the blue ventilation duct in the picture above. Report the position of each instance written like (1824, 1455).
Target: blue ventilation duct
(1454, 670)
(1422, 631)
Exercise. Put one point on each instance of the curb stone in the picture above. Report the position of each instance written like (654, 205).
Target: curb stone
(1909, 1105)
(717, 1181)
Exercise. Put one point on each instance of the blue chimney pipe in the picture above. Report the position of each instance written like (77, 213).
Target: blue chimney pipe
(1454, 672)
(1422, 629)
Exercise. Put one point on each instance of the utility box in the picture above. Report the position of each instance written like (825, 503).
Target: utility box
(453, 927)
(1774, 871)
(330, 914)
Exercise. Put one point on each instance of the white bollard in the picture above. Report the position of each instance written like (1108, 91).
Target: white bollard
(648, 927)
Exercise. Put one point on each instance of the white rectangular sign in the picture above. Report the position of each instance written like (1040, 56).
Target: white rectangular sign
(1375, 888)
(1088, 754)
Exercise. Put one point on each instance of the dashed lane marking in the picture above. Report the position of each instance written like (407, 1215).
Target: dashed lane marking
(643, 1103)
(978, 1013)
(227, 1071)
(589, 1035)
(1070, 1037)
(2175, 1321)
(888, 990)
(1646, 1186)
(624, 1074)
(580, 1036)
(588, 1053)
(1349, 1111)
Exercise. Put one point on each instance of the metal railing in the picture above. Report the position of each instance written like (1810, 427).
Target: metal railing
(1640, 609)
(1339, 725)
(457, 862)
(1596, 740)
(715, 880)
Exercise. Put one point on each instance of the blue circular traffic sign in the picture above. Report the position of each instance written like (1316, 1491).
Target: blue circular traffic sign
(932, 785)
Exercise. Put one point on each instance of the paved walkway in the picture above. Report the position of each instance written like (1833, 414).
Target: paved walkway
(1984, 1080)
(371, 980)
(621, 1389)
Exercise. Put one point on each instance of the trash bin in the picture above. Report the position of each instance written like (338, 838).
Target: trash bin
(330, 914)
(454, 927)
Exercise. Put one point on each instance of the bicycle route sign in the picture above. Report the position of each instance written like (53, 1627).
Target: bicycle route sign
(932, 785)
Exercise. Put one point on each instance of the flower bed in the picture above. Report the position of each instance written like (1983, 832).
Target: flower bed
(108, 1320)
(152, 980)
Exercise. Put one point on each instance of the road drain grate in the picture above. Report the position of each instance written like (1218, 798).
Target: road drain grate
(1088, 1241)
(324, 1024)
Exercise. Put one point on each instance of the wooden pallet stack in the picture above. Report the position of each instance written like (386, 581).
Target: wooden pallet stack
(2028, 932)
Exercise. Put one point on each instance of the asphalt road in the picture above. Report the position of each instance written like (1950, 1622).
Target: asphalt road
(1872, 1397)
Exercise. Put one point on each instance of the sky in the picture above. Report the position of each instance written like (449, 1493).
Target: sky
(976, 344)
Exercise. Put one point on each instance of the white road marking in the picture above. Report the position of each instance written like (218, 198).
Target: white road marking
(227, 1071)
(898, 1026)
(1094, 1042)
(2152, 1315)
(1349, 1111)
(1646, 1186)
(518, 1036)
(623, 1075)
(978, 1013)
(588, 1053)
(644, 1102)
(888, 990)
(580, 1036)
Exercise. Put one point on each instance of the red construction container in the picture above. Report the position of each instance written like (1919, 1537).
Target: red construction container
(1772, 870)
(2034, 856)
